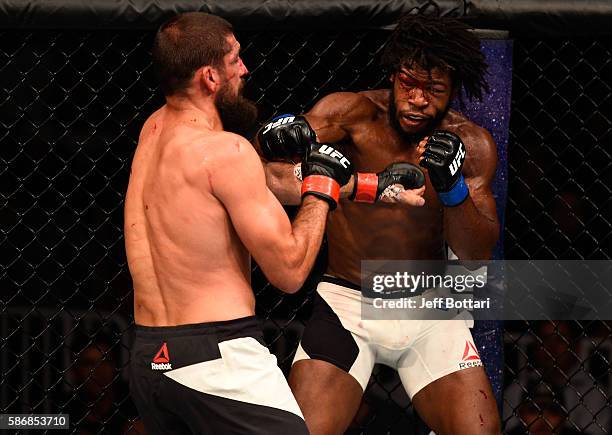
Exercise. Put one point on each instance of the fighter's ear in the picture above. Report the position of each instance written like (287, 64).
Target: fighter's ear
(209, 78)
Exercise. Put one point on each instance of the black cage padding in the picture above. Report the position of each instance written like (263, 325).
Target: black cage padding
(526, 18)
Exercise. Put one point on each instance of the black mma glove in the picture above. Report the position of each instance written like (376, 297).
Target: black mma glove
(285, 137)
(369, 186)
(324, 171)
(443, 157)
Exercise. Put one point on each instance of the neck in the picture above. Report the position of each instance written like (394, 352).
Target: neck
(203, 105)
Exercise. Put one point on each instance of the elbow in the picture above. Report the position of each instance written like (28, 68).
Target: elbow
(290, 277)
(482, 249)
(492, 241)
(487, 247)
(289, 283)
(482, 253)
(475, 258)
(290, 287)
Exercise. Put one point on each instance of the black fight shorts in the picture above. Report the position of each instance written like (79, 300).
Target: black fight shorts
(211, 378)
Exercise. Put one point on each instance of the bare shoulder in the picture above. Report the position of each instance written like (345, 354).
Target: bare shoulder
(347, 106)
(215, 156)
(336, 117)
(478, 140)
(223, 149)
(227, 142)
(151, 125)
(481, 151)
(378, 97)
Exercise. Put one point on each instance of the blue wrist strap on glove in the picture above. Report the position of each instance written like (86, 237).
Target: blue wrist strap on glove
(284, 115)
(456, 195)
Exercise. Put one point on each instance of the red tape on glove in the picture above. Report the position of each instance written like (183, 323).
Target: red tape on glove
(367, 185)
(321, 184)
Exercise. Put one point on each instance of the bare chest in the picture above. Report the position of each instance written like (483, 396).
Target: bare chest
(374, 146)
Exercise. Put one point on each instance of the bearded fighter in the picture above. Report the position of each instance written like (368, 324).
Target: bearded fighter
(197, 205)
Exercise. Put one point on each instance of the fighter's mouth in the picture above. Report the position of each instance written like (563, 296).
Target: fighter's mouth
(415, 116)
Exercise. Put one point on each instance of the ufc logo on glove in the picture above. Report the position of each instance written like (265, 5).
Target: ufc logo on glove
(283, 119)
(334, 153)
(457, 162)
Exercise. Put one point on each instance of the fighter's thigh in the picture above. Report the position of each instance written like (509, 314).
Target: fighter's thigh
(327, 395)
(443, 374)
(459, 403)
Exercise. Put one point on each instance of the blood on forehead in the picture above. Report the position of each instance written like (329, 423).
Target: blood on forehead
(412, 82)
(434, 78)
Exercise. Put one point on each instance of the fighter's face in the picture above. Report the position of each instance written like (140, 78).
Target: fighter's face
(419, 98)
(237, 112)
(234, 69)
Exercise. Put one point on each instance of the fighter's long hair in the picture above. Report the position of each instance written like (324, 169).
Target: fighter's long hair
(438, 42)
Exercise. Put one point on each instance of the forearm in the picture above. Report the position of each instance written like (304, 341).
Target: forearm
(470, 218)
(470, 233)
(282, 181)
(308, 228)
(307, 231)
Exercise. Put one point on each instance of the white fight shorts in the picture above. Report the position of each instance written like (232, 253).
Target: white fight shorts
(422, 351)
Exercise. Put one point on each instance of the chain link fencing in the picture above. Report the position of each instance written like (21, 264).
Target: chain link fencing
(71, 109)
(559, 207)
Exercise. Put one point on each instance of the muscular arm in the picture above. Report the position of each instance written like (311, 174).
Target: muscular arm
(285, 251)
(472, 228)
(331, 119)
(282, 182)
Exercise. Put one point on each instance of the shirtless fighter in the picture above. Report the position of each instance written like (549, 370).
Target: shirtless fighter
(429, 61)
(197, 204)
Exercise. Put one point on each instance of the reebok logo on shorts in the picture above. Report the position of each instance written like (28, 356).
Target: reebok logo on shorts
(470, 356)
(161, 360)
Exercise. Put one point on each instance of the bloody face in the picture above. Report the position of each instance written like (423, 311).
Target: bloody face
(419, 99)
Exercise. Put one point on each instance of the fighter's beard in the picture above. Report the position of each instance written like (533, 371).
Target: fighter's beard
(237, 113)
(412, 138)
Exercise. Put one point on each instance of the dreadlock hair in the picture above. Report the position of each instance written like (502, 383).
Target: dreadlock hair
(431, 42)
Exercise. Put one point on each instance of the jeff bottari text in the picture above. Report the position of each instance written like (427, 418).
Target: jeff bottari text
(435, 303)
